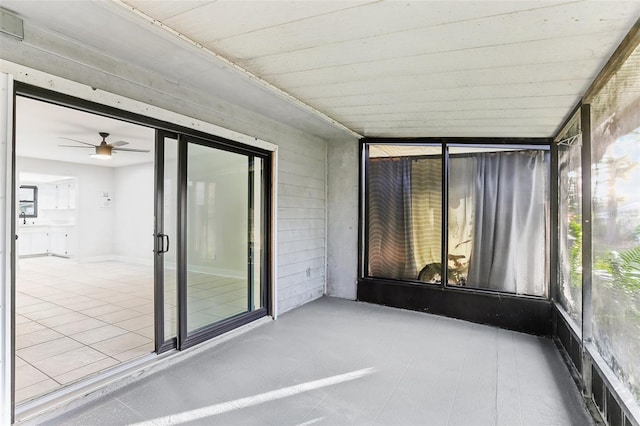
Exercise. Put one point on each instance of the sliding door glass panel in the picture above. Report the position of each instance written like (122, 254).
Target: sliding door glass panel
(498, 219)
(256, 237)
(615, 155)
(570, 227)
(170, 204)
(217, 235)
(404, 187)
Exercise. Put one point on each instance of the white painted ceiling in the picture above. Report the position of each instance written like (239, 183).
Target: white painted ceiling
(41, 126)
(380, 68)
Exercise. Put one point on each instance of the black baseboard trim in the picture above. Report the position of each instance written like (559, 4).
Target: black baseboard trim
(524, 314)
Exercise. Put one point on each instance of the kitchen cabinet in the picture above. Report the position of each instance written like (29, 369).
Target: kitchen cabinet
(60, 195)
(66, 195)
(60, 242)
(42, 240)
(39, 242)
(34, 241)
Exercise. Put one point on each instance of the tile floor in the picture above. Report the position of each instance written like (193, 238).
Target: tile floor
(75, 319)
(337, 362)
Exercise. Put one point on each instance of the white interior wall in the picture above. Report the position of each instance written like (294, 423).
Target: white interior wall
(133, 209)
(94, 223)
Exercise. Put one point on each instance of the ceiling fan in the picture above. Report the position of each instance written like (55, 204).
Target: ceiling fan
(104, 150)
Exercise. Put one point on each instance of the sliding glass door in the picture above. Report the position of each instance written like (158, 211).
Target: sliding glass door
(210, 230)
(217, 285)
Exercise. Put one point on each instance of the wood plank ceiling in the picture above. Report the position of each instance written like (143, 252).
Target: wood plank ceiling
(416, 68)
(380, 68)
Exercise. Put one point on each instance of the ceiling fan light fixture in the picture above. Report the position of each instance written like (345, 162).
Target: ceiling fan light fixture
(100, 156)
(103, 152)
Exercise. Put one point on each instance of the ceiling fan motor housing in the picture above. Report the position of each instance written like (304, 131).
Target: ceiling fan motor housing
(103, 149)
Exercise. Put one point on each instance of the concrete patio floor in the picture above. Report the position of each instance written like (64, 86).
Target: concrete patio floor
(337, 362)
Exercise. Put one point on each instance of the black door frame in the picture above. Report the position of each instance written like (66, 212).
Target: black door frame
(183, 134)
(187, 339)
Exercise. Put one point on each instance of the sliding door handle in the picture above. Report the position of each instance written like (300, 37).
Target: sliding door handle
(159, 244)
(165, 249)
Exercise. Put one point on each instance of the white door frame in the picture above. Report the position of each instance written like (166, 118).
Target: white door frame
(6, 247)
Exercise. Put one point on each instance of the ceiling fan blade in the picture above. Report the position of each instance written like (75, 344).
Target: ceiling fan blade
(76, 146)
(131, 150)
(76, 140)
(118, 143)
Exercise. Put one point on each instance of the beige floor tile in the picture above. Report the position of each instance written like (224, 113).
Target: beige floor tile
(98, 334)
(37, 389)
(108, 295)
(120, 344)
(79, 326)
(134, 353)
(101, 310)
(37, 337)
(48, 349)
(27, 327)
(225, 310)
(28, 375)
(136, 323)
(86, 305)
(148, 332)
(59, 295)
(145, 309)
(86, 370)
(118, 316)
(132, 302)
(115, 298)
(24, 300)
(20, 319)
(65, 362)
(19, 362)
(71, 300)
(198, 319)
(47, 313)
(63, 319)
(40, 306)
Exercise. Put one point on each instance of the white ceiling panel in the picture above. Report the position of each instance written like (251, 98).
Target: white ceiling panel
(352, 21)
(215, 20)
(430, 27)
(493, 58)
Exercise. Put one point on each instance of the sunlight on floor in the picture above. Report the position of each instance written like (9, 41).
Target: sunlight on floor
(212, 410)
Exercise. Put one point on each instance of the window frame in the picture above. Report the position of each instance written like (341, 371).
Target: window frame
(445, 143)
(34, 201)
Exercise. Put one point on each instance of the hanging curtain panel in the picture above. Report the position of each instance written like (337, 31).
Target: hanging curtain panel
(391, 253)
(510, 229)
(426, 212)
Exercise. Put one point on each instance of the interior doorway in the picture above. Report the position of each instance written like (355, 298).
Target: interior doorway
(84, 273)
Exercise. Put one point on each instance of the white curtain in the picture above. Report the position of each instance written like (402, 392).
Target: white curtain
(510, 232)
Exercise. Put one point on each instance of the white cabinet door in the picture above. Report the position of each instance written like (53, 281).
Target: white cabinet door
(71, 195)
(58, 241)
(63, 196)
(47, 196)
(39, 242)
(66, 195)
(24, 243)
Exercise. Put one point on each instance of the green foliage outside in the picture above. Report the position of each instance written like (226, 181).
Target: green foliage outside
(575, 253)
